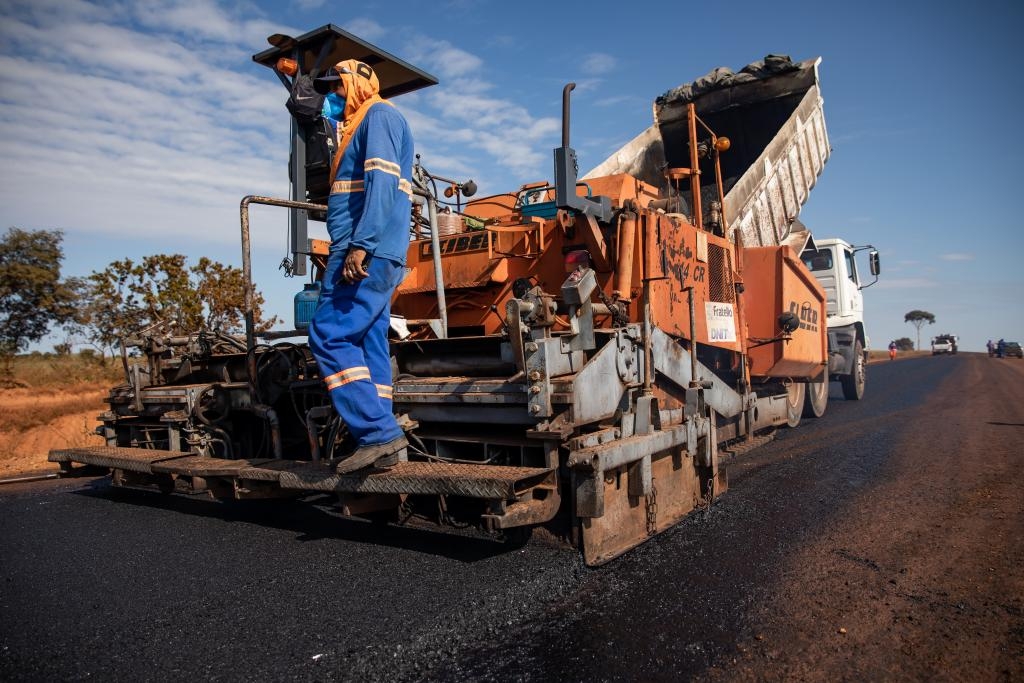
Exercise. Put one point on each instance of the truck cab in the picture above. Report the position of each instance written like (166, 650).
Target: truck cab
(832, 261)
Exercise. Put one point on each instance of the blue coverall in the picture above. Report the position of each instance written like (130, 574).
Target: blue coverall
(369, 208)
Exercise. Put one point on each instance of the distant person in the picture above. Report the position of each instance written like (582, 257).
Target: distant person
(892, 350)
(1000, 348)
(991, 348)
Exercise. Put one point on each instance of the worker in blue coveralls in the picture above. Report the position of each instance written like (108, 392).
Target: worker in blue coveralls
(368, 217)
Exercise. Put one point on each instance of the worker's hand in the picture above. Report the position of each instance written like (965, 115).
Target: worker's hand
(353, 271)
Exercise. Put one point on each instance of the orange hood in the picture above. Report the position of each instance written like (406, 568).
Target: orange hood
(361, 86)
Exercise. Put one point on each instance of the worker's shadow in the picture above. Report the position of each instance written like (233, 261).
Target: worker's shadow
(310, 519)
(1006, 424)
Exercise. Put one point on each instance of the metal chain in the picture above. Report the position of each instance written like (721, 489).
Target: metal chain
(709, 497)
(652, 511)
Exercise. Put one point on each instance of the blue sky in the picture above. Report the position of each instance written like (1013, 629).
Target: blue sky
(136, 127)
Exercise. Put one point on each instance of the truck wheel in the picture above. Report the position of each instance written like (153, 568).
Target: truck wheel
(853, 384)
(794, 403)
(816, 398)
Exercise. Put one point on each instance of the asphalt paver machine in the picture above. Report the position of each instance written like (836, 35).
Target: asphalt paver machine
(581, 356)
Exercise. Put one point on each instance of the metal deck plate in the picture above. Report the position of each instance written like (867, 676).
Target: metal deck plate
(269, 470)
(202, 466)
(131, 459)
(426, 478)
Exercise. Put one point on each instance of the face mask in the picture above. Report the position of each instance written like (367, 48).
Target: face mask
(334, 106)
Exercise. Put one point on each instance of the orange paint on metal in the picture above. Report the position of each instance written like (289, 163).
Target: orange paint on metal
(778, 282)
(624, 264)
(676, 261)
(480, 266)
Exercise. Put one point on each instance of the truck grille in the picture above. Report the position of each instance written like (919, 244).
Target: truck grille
(720, 282)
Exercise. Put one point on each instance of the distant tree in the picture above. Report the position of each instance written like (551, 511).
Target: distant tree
(905, 344)
(223, 290)
(32, 295)
(918, 319)
(162, 293)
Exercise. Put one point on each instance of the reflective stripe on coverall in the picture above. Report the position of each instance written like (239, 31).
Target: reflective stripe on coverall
(349, 338)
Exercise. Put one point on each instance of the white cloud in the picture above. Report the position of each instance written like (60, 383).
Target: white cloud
(368, 29)
(584, 85)
(957, 257)
(107, 129)
(619, 100)
(132, 133)
(441, 57)
(309, 4)
(598, 63)
(205, 19)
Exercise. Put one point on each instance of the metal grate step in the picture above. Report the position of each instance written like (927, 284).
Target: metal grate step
(428, 478)
(202, 466)
(491, 482)
(270, 470)
(131, 459)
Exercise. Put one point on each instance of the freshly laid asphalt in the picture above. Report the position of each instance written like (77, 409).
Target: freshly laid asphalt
(885, 540)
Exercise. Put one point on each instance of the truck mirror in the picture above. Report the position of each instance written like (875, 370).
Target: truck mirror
(874, 263)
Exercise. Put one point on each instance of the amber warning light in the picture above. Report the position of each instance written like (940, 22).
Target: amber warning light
(288, 67)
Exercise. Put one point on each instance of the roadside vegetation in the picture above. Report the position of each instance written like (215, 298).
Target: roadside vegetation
(159, 295)
(52, 400)
(918, 318)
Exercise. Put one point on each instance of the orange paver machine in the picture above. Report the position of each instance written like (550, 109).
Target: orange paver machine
(580, 355)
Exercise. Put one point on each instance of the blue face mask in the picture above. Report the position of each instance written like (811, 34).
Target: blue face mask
(334, 106)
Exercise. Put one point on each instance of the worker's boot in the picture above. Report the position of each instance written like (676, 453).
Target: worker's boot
(378, 455)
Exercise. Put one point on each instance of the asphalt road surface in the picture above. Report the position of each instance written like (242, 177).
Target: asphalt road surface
(882, 542)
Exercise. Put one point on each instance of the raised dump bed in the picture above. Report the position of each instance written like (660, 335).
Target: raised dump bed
(772, 113)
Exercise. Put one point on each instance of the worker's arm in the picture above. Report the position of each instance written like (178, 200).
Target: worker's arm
(381, 173)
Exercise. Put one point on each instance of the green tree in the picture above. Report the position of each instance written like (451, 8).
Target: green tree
(905, 344)
(223, 289)
(918, 319)
(33, 297)
(163, 293)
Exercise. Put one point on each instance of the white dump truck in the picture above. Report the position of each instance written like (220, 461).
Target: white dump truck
(833, 262)
(772, 112)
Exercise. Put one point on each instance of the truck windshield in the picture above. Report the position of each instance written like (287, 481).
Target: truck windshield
(820, 259)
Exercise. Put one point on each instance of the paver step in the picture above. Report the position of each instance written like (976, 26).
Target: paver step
(428, 478)
(493, 482)
(131, 459)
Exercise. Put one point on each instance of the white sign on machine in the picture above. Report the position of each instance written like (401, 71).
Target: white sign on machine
(721, 319)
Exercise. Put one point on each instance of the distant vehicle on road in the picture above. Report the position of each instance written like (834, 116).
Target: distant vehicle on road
(1013, 349)
(944, 343)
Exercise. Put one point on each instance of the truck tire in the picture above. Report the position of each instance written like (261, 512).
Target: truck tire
(853, 384)
(794, 403)
(816, 397)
